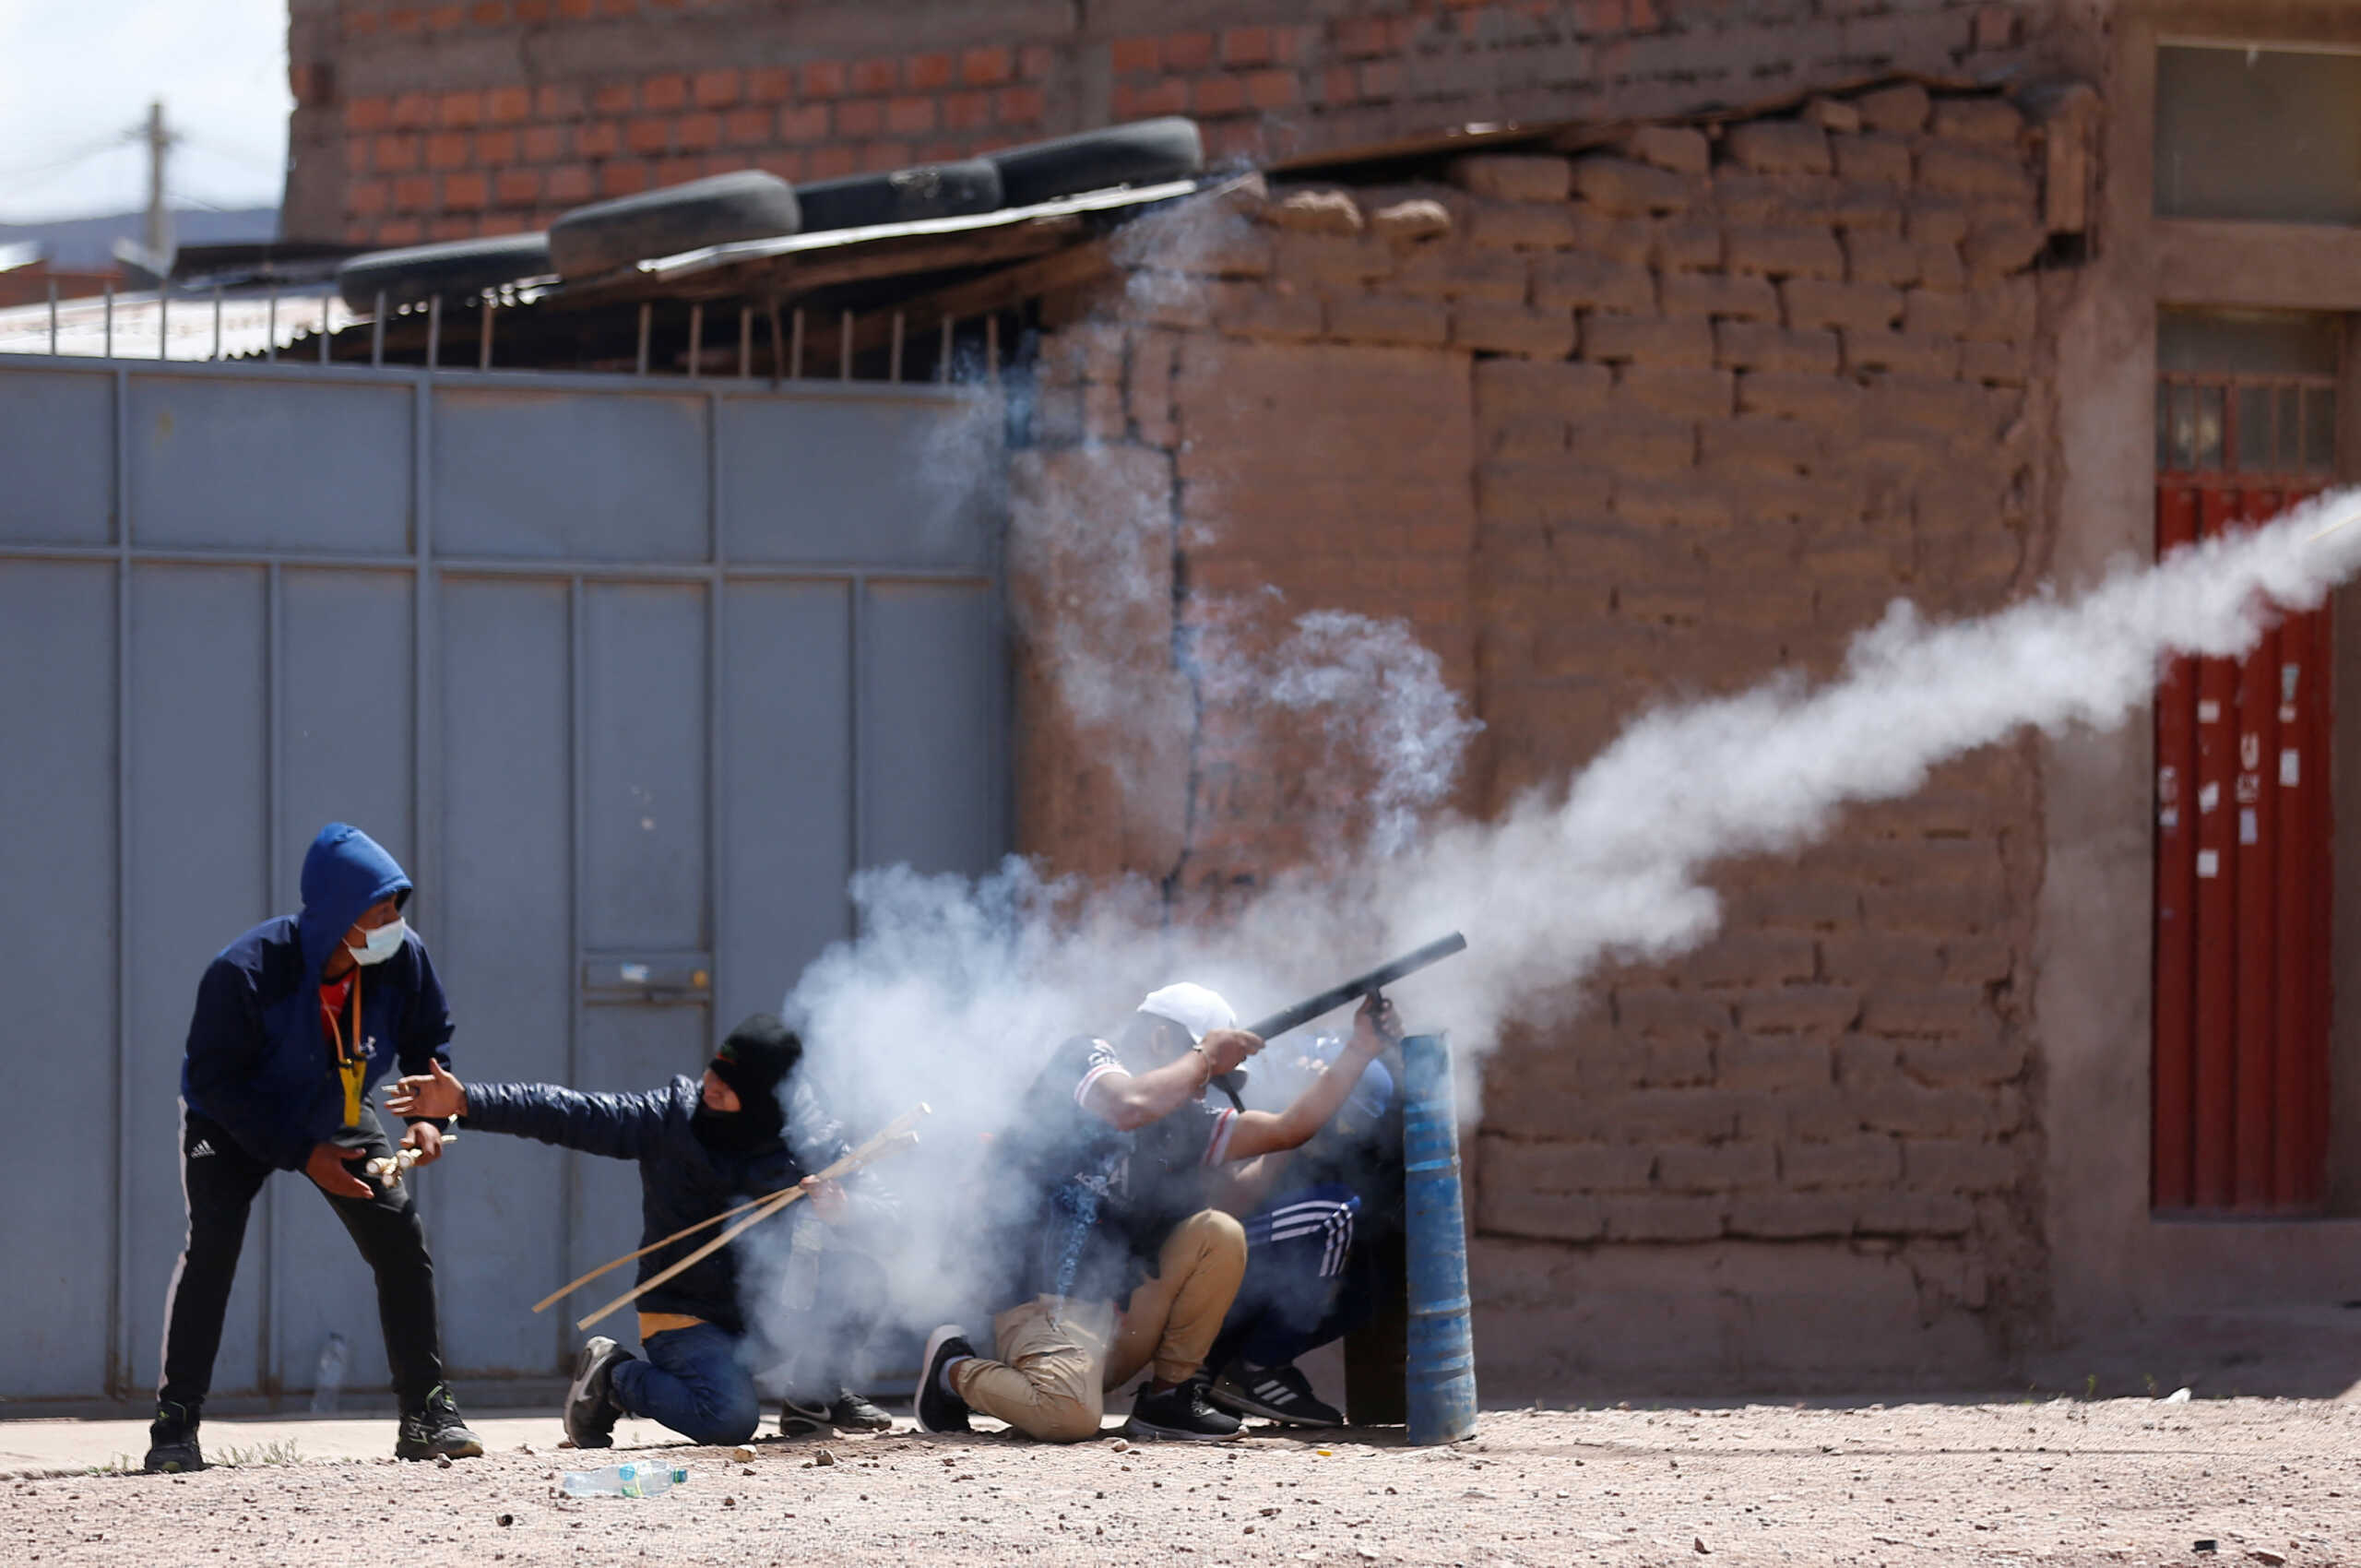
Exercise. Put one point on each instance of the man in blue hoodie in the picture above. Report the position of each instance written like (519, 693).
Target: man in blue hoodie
(295, 1021)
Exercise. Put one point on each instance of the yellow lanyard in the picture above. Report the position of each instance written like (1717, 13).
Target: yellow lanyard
(352, 1068)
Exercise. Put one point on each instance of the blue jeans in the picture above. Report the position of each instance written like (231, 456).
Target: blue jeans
(693, 1382)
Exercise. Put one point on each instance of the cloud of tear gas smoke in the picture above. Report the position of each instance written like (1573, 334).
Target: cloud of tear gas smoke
(1390, 728)
(1094, 553)
(956, 991)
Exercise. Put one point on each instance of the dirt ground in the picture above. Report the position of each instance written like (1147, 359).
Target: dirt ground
(2117, 1481)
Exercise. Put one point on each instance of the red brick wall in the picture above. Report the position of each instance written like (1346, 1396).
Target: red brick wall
(1607, 430)
(418, 120)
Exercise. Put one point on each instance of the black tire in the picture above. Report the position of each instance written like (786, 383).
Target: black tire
(456, 270)
(931, 190)
(1142, 153)
(744, 205)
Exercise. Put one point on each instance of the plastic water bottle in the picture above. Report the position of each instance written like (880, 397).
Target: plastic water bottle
(623, 1480)
(327, 1383)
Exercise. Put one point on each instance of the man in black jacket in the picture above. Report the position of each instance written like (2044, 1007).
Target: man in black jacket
(703, 1148)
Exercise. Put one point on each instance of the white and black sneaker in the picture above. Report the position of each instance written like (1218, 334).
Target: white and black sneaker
(1180, 1414)
(1275, 1394)
(939, 1410)
(803, 1417)
(591, 1408)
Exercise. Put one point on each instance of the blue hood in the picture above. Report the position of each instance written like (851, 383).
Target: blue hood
(344, 872)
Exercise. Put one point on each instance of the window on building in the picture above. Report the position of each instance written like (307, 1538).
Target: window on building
(2258, 135)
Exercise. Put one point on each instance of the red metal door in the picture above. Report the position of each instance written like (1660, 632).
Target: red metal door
(2243, 817)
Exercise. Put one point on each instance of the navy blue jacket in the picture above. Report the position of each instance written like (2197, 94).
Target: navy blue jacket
(258, 1061)
(680, 1181)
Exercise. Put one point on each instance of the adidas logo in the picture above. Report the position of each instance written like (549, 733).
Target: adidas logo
(204, 1147)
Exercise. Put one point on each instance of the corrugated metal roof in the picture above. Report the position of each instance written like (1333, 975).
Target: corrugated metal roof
(143, 325)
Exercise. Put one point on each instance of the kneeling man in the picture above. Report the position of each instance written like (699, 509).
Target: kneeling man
(1128, 1263)
(703, 1146)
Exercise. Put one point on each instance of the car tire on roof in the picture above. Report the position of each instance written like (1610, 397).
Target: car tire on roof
(744, 205)
(456, 270)
(905, 196)
(1142, 153)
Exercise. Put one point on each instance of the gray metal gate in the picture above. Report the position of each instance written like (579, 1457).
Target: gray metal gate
(630, 676)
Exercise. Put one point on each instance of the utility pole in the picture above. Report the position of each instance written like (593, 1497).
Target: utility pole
(159, 217)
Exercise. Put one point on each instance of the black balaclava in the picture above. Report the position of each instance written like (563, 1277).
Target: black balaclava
(753, 1062)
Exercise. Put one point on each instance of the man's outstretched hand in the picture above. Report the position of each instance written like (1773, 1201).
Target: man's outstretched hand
(431, 1096)
(828, 1199)
(330, 1168)
(1376, 1026)
(426, 1137)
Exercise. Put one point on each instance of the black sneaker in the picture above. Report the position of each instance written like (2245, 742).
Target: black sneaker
(434, 1431)
(853, 1413)
(802, 1417)
(1275, 1394)
(172, 1440)
(591, 1408)
(1180, 1413)
(938, 1410)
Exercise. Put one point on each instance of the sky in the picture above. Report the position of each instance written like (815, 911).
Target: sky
(76, 75)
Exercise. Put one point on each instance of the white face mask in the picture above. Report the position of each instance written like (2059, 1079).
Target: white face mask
(379, 945)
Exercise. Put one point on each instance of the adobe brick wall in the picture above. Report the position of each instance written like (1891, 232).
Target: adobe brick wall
(417, 119)
(1610, 430)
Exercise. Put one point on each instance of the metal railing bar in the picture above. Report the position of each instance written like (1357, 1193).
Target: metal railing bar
(2246, 379)
(942, 355)
(328, 310)
(844, 345)
(795, 355)
(109, 347)
(163, 318)
(483, 335)
(53, 316)
(377, 332)
(270, 329)
(746, 342)
(894, 359)
(647, 325)
(433, 333)
(499, 567)
(696, 336)
(217, 322)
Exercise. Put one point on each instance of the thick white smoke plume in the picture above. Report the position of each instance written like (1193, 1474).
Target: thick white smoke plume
(1393, 734)
(955, 992)
(1613, 864)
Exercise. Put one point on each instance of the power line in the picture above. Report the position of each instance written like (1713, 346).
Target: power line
(245, 156)
(66, 160)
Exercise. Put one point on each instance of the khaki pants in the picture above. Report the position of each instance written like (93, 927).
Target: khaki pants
(1058, 1357)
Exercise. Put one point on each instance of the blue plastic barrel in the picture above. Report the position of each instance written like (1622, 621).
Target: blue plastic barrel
(1440, 1372)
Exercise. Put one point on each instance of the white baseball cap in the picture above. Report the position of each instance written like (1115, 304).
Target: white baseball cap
(1193, 1007)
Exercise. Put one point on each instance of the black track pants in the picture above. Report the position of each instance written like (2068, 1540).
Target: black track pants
(219, 1180)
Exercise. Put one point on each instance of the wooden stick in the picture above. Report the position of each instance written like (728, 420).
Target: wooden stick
(565, 1291)
(688, 1230)
(899, 1134)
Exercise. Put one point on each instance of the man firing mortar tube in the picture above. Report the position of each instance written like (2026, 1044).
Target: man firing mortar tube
(1124, 1261)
